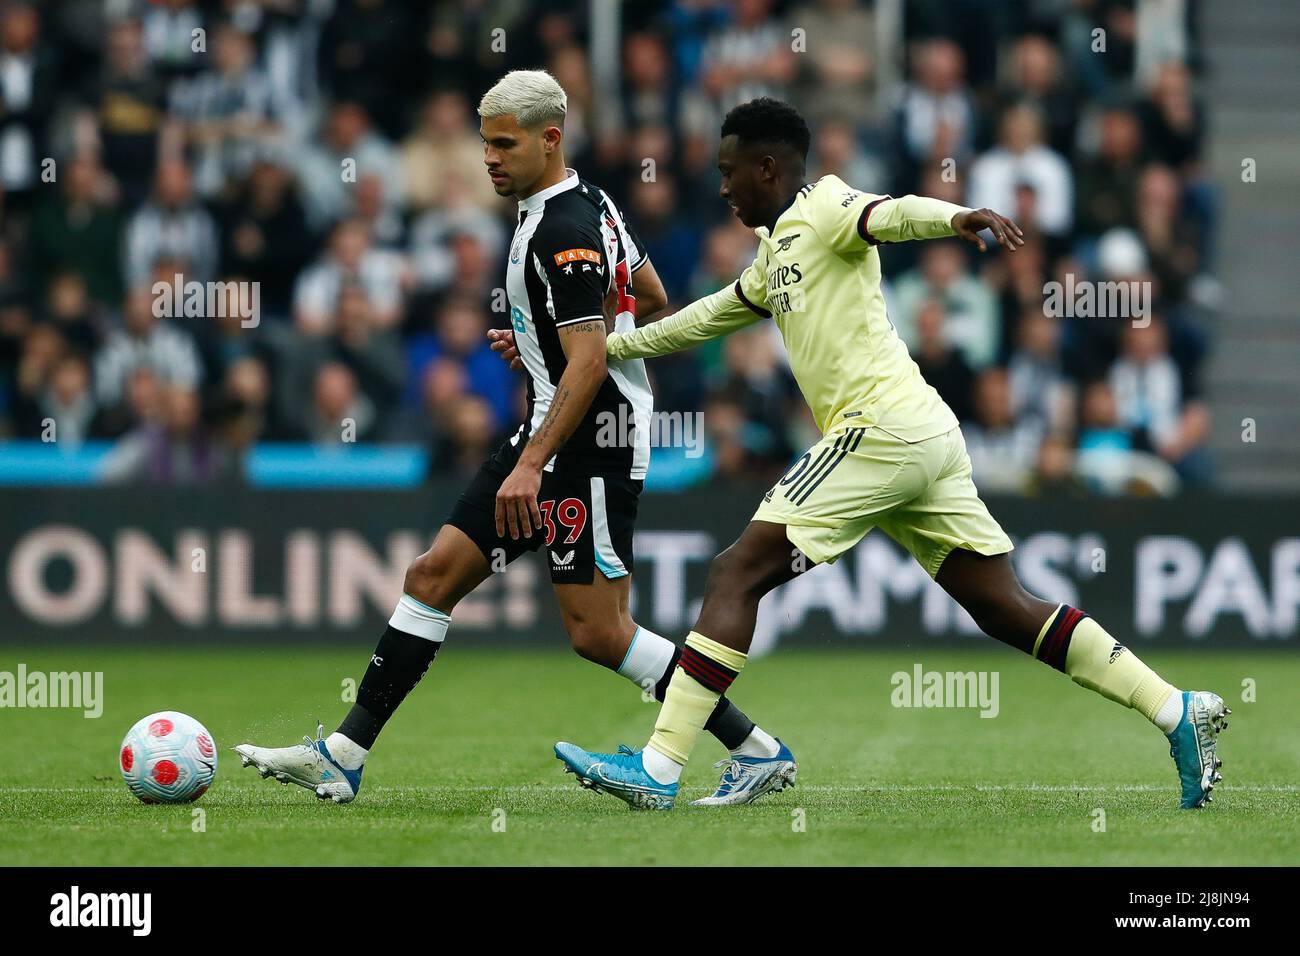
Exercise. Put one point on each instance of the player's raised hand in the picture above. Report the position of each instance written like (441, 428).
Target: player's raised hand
(503, 343)
(968, 226)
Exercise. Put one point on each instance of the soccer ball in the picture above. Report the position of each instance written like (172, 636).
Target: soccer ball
(168, 757)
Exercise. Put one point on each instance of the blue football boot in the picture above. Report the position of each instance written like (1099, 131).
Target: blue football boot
(621, 775)
(1193, 745)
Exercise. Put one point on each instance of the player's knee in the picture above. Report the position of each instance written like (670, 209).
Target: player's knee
(733, 575)
(428, 580)
(597, 641)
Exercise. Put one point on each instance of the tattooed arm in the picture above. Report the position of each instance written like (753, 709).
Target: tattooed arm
(584, 350)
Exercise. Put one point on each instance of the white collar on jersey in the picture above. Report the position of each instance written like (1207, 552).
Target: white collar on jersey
(536, 200)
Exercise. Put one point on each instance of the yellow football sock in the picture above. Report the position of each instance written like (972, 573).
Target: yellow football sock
(1077, 645)
(702, 676)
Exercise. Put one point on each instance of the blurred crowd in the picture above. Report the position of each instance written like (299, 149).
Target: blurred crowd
(328, 151)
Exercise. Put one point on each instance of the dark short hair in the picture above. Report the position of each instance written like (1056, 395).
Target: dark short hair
(765, 120)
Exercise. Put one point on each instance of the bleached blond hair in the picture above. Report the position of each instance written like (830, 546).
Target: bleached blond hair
(532, 97)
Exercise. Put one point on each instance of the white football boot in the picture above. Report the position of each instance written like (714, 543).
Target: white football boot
(309, 764)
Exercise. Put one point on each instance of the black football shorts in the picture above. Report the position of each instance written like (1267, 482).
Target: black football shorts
(587, 521)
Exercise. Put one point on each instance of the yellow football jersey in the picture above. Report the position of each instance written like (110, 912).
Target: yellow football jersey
(817, 274)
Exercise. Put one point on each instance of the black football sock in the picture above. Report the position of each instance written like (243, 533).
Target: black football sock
(397, 665)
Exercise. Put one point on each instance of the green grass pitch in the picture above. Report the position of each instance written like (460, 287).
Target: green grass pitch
(464, 773)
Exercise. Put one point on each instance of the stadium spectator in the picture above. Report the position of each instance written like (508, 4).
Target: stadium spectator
(1022, 158)
(365, 53)
(1054, 470)
(1150, 402)
(28, 76)
(169, 37)
(455, 243)
(1002, 450)
(458, 428)
(348, 149)
(649, 92)
(439, 385)
(387, 261)
(838, 151)
(937, 117)
(836, 78)
(458, 337)
(339, 412)
(586, 113)
(970, 309)
(383, 220)
(264, 233)
(140, 405)
(225, 112)
(1107, 182)
(749, 57)
(673, 245)
(1173, 120)
(470, 436)
(172, 225)
(1167, 231)
(350, 260)
(757, 381)
(1108, 460)
(726, 428)
(42, 349)
(77, 228)
(373, 352)
(247, 384)
(67, 402)
(143, 339)
(129, 104)
(69, 309)
(473, 273)
(441, 154)
(178, 448)
(1037, 78)
(1039, 388)
(942, 365)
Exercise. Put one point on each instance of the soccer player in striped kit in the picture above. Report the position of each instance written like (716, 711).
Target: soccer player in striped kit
(559, 483)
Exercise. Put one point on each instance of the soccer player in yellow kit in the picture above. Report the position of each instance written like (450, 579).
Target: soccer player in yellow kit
(891, 456)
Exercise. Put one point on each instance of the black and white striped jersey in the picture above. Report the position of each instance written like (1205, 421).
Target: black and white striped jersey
(571, 248)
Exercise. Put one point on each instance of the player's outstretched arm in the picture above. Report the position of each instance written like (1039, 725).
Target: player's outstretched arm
(708, 318)
(650, 296)
(921, 217)
(850, 220)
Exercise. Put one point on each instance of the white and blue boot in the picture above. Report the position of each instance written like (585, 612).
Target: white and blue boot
(1193, 745)
(745, 779)
(309, 765)
(621, 775)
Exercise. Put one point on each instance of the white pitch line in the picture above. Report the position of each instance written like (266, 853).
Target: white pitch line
(890, 788)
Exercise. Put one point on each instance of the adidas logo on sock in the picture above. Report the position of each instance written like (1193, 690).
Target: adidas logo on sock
(1116, 651)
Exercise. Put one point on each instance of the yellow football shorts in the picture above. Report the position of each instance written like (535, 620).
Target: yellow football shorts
(856, 479)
